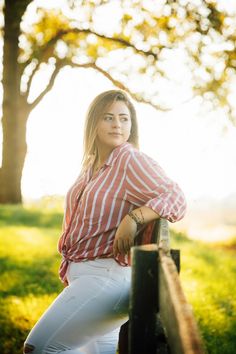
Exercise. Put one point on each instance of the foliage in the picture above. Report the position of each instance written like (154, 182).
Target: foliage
(29, 281)
(137, 47)
(146, 36)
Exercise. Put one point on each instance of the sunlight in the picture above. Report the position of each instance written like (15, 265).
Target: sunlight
(25, 311)
(27, 242)
(197, 151)
(195, 144)
(196, 148)
(189, 137)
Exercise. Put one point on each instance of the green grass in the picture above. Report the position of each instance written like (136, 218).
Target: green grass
(208, 276)
(29, 281)
(29, 265)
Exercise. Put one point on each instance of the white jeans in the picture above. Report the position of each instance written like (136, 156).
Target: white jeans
(87, 315)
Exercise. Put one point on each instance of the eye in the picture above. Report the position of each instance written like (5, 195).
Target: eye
(124, 119)
(108, 118)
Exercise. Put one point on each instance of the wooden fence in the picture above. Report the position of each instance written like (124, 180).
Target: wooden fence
(160, 319)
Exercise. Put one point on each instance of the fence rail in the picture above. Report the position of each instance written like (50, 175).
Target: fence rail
(160, 319)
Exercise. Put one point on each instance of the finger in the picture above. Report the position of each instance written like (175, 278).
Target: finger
(127, 246)
(131, 243)
(115, 247)
(121, 248)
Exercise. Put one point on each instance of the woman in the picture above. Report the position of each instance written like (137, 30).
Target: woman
(118, 191)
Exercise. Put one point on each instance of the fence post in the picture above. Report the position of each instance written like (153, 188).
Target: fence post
(143, 299)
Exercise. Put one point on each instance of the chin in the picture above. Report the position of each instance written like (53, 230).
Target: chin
(114, 145)
(116, 142)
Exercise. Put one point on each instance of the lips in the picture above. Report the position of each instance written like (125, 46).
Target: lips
(115, 134)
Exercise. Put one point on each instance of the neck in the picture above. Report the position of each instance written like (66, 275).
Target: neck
(103, 155)
(101, 159)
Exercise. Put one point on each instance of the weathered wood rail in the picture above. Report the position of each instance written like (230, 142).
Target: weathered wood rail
(160, 319)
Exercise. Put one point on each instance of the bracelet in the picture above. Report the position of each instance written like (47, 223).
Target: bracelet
(136, 219)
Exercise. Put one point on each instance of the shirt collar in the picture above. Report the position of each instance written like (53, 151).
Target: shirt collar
(110, 160)
(114, 154)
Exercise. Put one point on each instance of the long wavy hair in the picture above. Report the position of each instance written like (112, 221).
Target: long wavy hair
(95, 111)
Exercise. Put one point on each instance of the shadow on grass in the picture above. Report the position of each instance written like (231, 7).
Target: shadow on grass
(18, 215)
(12, 337)
(36, 277)
(223, 342)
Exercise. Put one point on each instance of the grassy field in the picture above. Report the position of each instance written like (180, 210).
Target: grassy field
(29, 281)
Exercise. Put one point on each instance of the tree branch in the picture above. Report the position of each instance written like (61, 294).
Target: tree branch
(59, 65)
(115, 82)
(120, 85)
(113, 39)
(121, 41)
(26, 93)
(64, 62)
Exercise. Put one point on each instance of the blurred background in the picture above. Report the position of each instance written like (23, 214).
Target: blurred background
(177, 61)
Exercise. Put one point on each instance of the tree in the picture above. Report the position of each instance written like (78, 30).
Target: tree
(15, 108)
(134, 54)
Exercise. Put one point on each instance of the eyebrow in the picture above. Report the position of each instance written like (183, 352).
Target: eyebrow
(120, 114)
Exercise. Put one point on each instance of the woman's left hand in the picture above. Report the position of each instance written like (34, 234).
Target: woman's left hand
(124, 237)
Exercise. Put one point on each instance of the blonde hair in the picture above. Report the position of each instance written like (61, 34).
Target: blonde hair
(95, 111)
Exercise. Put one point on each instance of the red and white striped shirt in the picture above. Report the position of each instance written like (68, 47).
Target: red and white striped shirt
(95, 205)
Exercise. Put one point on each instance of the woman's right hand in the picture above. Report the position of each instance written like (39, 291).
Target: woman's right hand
(124, 237)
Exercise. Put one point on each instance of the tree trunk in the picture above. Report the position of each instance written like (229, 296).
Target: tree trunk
(15, 111)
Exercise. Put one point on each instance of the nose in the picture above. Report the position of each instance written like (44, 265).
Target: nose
(116, 122)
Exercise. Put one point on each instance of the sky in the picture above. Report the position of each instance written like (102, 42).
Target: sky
(196, 147)
(196, 150)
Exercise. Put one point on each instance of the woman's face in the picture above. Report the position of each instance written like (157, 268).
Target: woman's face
(114, 126)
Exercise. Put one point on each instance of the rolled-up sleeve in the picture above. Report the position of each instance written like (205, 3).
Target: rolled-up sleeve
(147, 184)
